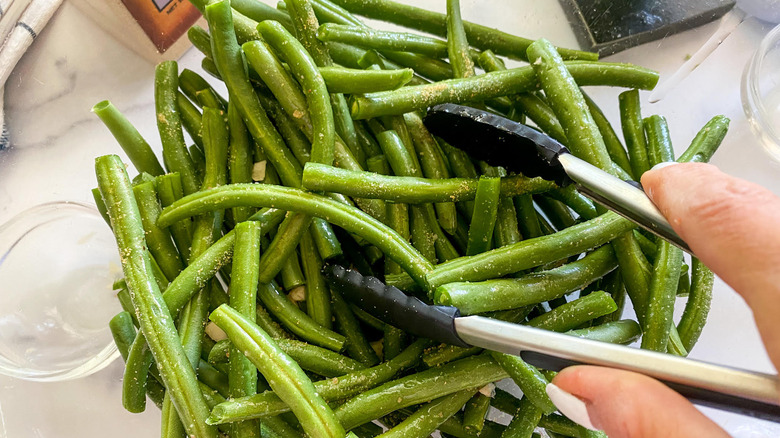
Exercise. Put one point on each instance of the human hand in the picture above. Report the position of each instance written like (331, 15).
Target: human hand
(732, 226)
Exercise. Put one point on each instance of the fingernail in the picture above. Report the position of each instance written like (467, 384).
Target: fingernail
(570, 406)
(664, 164)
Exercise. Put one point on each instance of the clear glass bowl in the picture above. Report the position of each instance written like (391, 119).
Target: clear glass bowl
(761, 92)
(58, 262)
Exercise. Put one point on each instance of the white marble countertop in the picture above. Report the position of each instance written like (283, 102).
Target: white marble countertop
(73, 65)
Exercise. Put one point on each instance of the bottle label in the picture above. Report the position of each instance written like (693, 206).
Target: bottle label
(163, 21)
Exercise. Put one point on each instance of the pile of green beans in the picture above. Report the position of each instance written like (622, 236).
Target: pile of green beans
(318, 154)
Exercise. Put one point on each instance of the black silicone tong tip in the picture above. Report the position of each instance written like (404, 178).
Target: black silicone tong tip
(394, 307)
(498, 141)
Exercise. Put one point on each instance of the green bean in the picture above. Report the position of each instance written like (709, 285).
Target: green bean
(229, 60)
(355, 81)
(663, 291)
(484, 217)
(558, 213)
(356, 344)
(123, 332)
(200, 38)
(571, 315)
(292, 274)
(421, 233)
(541, 114)
(566, 100)
(494, 84)
(374, 39)
(707, 141)
(240, 156)
(624, 331)
(633, 132)
(157, 327)
(433, 167)
(294, 226)
(209, 98)
(367, 141)
(332, 13)
(269, 325)
(198, 160)
(158, 240)
(528, 378)
(243, 297)
(317, 293)
(475, 411)
(136, 372)
(530, 253)
(417, 388)
(445, 251)
(407, 189)
(268, 403)
(659, 145)
(527, 218)
(562, 425)
(349, 218)
(190, 118)
(131, 141)
(684, 286)
(305, 69)
(220, 352)
(191, 82)
(417, 18)
(426, 419)
(259, 11)
(698, 306)
(453, 428)
(175, 153)
(285, 377)
(169, 190)
(615, 148)
(524, 421)
(295, 320)
(198, 273)
(319, 360)
(533, 288)
(457, 42)
(398, 220)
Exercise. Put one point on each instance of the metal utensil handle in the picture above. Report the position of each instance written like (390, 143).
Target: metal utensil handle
(621, 197)
(750, 393)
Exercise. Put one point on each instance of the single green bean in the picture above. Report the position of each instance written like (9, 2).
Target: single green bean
(707, 141)
(533, 288)
(663, 291)
(175, 153)
(259, 11)
(408, 189)
(355, 81)
(286, 378)
(240, 156)
(417, 388)
(169, 190)
(319, 360)
(158, 239)
(295, 320)
(623, 331)
(191, 82)
(294, 226)
(524, 422)
(427, 419)
(421, 233)
(123, 332)
(291, 273)
(557, 212)
(329, 12)
(134, 380)
(659, 144)
(494, 84)
(429, 68)
(562, 425)
(317, 293)
(398, 220)
(190, 118)
(374, 39)
(475, 412)
(131, 141)
(229, 60)
(268, 403)
(698, 306)
(317, 98)
(633, 132)
(351, 219)
(156, 323)
(573, 314)
(484, 216)
(457, 42)
(575, 200)
(417, 18)
(200, 38)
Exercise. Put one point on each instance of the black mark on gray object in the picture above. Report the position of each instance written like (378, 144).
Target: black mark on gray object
(24, 25)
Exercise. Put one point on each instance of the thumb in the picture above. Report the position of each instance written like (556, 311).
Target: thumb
(732, 227)
(629, 405)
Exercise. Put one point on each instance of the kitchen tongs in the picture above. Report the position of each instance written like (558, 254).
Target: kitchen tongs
(729, 389)
(516, 147)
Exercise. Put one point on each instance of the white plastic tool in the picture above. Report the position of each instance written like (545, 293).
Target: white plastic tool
(766, 10)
